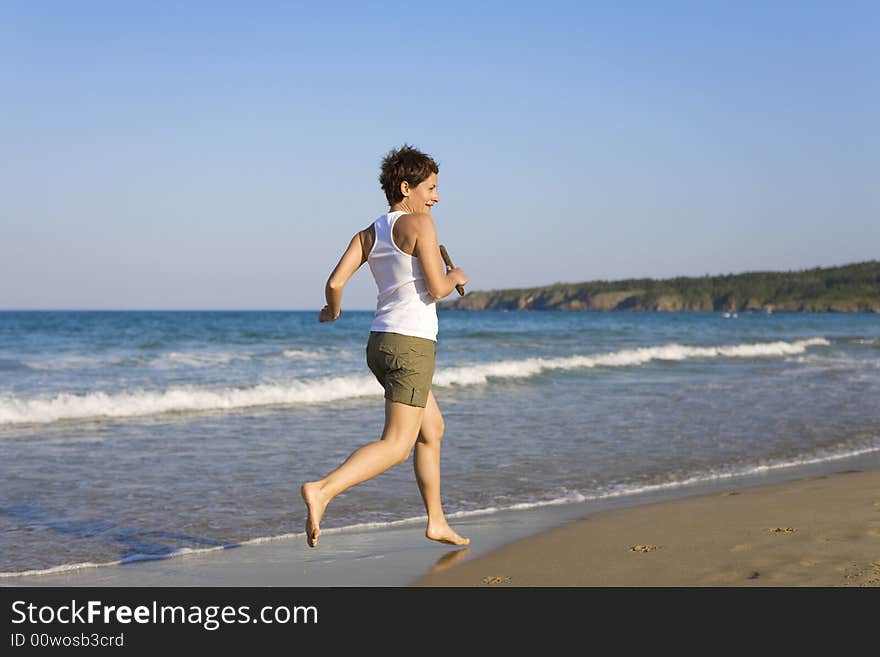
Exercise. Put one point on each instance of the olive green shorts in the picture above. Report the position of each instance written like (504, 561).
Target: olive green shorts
(403, 364)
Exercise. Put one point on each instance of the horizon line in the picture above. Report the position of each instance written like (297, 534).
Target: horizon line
(172, 310)
(439, 307)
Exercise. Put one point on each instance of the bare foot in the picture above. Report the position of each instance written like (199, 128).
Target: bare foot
(311, 495)
(443, 533)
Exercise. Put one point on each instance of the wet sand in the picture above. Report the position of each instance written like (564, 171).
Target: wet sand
(820, 531)
(805, 530)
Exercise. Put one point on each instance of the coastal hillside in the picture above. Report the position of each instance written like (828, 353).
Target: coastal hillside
(847, 288)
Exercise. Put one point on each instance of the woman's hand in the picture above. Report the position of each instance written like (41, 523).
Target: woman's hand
(457, 275)
(327, 315)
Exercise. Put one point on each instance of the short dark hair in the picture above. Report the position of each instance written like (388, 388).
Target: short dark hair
(404, 163)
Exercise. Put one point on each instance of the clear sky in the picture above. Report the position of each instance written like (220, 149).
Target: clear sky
(220, 155)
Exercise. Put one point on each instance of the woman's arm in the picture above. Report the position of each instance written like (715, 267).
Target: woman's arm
(427, 250)
(348, 264)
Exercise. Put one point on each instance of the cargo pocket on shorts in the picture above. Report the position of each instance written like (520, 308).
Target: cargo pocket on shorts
(389, 355)
(417, 363)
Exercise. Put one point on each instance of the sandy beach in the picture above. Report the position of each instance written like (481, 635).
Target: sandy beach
(817, 530)
(821, 531)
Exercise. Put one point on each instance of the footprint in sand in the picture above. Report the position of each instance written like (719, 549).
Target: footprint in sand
(496, 579)
(642, 548)
(782, 530)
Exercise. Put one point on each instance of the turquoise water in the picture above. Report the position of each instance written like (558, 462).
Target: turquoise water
(131, 435)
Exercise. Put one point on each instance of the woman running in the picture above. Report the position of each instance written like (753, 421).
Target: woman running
(403, 251)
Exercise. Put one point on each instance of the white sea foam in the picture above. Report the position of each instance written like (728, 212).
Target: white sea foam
(136, 403)
(181, 399)
(475, 374)
(69, 567)
(301, 353)
(701, 478)
(571, 497)
(317, 354)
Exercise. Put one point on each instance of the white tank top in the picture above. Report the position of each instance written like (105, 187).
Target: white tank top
(404, 304)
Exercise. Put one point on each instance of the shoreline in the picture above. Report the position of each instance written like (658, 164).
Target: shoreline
(515, 542)
(820, 531)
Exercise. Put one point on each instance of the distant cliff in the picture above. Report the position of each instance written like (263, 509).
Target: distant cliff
(848, 288)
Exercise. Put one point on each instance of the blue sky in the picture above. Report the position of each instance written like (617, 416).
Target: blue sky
(186, 155)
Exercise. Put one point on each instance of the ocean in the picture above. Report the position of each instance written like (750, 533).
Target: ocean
(127, 436)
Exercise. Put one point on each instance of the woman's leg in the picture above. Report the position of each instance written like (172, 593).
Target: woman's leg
(426, 462)
(402, 423)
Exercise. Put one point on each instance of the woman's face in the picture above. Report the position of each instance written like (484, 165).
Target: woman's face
(422, 197)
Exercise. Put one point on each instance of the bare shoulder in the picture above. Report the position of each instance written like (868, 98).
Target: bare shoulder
(410, 226)
(420, 222)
